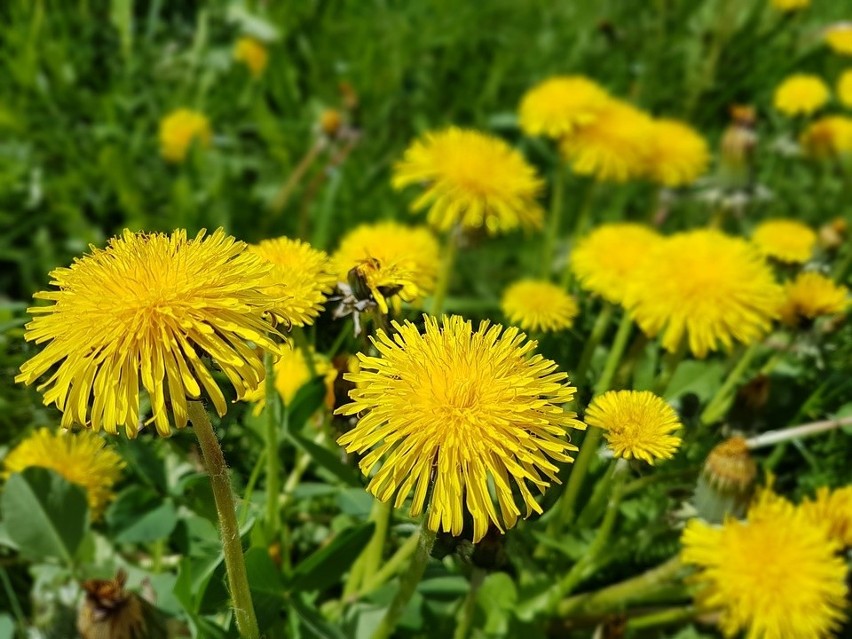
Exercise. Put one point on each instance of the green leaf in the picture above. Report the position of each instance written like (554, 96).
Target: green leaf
(140, 515)
(45, 515)
(701, 378)
(327, 460)
(7, 627)
(496, 600)
(267, 587)
(307, 401)
(311, 623)
(325, 566)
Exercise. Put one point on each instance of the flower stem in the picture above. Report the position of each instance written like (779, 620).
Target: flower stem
(717, 406)
(447, 265)
(465, 619)
(618, 346)
(598, 331)
(556, 207)
(408, 582)
(232, 549)
(670, 363)
(273, 467)
(372, 556)
(665, 617)
(772, 437)
(579, 225)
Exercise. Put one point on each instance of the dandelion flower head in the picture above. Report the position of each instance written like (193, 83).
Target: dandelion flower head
(831, 509)
(788, 241)
(151, 308)
(558, 105)
(790, 5)
(473, 180)
(773, 576)
(539, 305)
(678, 154)
(179, 130)
(473, 408)
(844, 88)
(811, 295)
(81, 458)
(252, 53)
(839, 38)
(293, 369)
(827, 137)
(801, 94)
(704, 287)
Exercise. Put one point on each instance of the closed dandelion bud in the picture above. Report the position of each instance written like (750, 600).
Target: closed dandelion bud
(111, 612)
(738, 144)
(725, 484)
(832, 234)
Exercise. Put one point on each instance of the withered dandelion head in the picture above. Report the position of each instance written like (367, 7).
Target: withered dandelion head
(473, 180)
(811, 295)
(606, 258)
(558, 105)
(839, 38)
(252, 53)
(773, 576)
(788, 241)
(801, 94)
(179, 130)
(636, 424)
(151, 307)
(462, 410)
(704, 287)
(827, 137)
(832, 510)
(538, 305)
(301, 276)
(81, 458)
(678, 154)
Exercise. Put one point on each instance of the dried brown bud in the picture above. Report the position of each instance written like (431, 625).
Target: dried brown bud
(110, 612)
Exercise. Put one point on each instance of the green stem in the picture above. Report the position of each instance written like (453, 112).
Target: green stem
(390, 567)
(465, 619)
(670, 363)
(615, 354)
(598, 331)
(372, 556)
(273, 461)
(408, 582)
(717, 406)
(232, 549)
(579, 225)
(255, 475)
(556, 207)
(12, 596)
(666, 617)
(301, 340)
(447, 265)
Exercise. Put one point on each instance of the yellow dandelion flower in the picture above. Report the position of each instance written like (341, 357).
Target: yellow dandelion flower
(636, 424)
(302, 275)
(292, 372)
(839, 38)
(81, 458)
(179, 130)
(152, 307)
(801, 94)
(831, 509)
(394, 260)
(827, 137)
(791, 5)
(252, 53)
(605, 259)
(473, 180)
(704, 287)
(612, 148)
(538, 305)
(774, 576)
(558, 105)
(677, 155)
(812, 295)
(844, 88)
(464, 410)
(785, 240)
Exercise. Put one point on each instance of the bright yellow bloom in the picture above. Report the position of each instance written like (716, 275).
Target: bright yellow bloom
(153, 307)
(839, 37)
(252, 53)
(465, 411)
(612, 148)
(844, 88)
(606, 258)
(801, 94)
(538, 305)
(677, 155)
(179, 130)
(704, 287)
(394, 260)
(81, 458)
(785, 240)
(636, 424)
(774, 576)
(292, 371)
(558, 105)
(301, 275)
(473, 180)
(812, 295)
(831, 509)
(790, 5)
(827, 137)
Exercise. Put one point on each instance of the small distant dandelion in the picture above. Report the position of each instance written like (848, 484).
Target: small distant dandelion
(839, 38)
(179, 130)
(773, 576)
(827, 137)
(811, 295)
(832, 510)
(704, 287)
(605, 259)
(81, 458)
(558, 105)
(473, 180)
(844, 88)
(292, 372)
(801, 94)
(252, 53)
(301, 276)
(785, 240)
(791, 5)
(464, 411)
(612, 148)
(151, 308)
(678, 154)
(636, 424)
(538, 305)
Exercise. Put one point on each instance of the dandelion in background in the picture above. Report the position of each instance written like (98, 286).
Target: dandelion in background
(538, 305)
(472, 180)
(704, 287)
(801, 94)
(788, 241)
(827, 137)
(791, 5)
(774, 576)
(839, 38)
(81, 458)
(154, 309)
(844, 88)
(831, 509)
(636, 424)
(678, 154)
(292, 372)
(558, 105)
(179, 130)
(811, 295)
(464, 412)
(252, 53)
